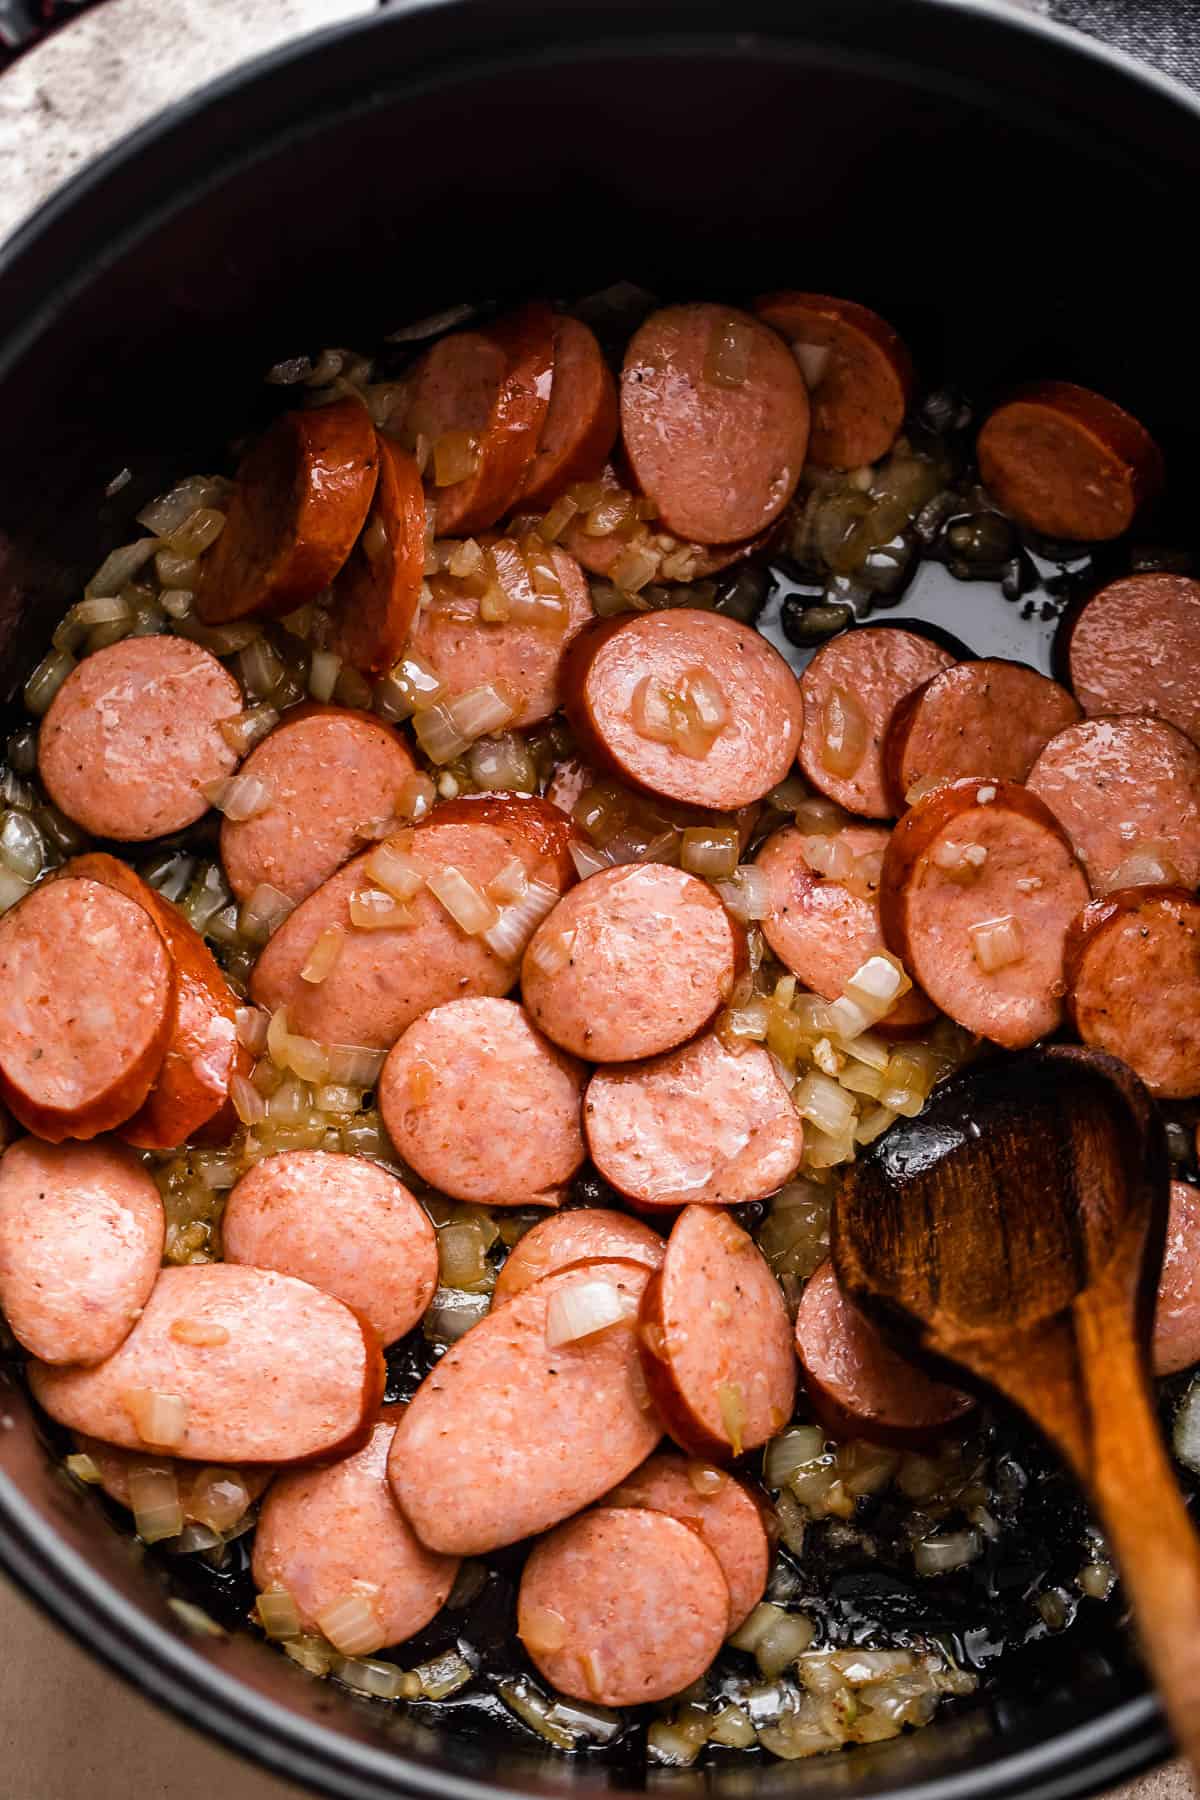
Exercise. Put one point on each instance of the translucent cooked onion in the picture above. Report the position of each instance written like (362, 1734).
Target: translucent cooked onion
(1150, 865)
(252, 1023)
(813, 360)
(709, 850)
(278, 1614)
(502, 764)
(451, 1314)
(551, 953)
(580, 1312)
(323, 671)
(443, 1675)
(248, 1103)
(379, 1680)
(22, 847)
(588, 860)
(517, 922)
(747, 895)
(961, 861)
(248, 728)
(352, 1065)
(261, 670)
(352, 1625)
(394, 870)
(238, 798)
(46, 680)
(731, 1406)
(415, 797)
(219, 1499)
(824, 1102)
(997, 943)
(795, 1449)
(843, 733)
(159, 1419)
(939, 1554)
(873, 1124)
(118, 569)
(197, 532)
(545, 1630)
(155, 1504)
(728, 354)
(12, 889)
(409, 687)
(199, 1333)
(456, 457)
(324, 954)
(878, 984)
(168, 512)
(467, 905)
(83, 1468)
(509, 884)
(263, 913)
(635, 568)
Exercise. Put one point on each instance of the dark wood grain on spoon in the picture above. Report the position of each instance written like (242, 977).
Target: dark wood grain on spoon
(1012, 1236)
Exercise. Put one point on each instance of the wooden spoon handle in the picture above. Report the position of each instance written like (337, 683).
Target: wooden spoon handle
(1148, 1525)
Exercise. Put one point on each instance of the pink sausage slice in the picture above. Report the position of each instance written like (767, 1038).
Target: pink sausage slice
(1134, 647)
(851, 688)
(343, 1224)
(483, 1106)
(716, 1339)
(979, 887)
(684, 703)
(511, 1432)
(334, 1533)
(81, 1240)
(622, 1606)
(582, 421)
(980, 718)
(633, 961)
(825, 927)
(208, 1494)
(699, 1124)
(714, 419)
(384, 979)
(1176, 1341)
(720, 1508)
(87, 1007)
(132, 737)
(859, 374)
(469, 652)
(331, 777)
(584, 1234)
(857, 1384)
(267, 1368)
(1124, 790)
(1133, 974)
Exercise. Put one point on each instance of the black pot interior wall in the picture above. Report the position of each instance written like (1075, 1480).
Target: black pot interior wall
(1015, 208)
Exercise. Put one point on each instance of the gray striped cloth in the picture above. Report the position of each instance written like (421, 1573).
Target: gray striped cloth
(1163, 32)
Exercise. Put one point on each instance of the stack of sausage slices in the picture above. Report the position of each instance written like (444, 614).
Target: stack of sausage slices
(701, 1017)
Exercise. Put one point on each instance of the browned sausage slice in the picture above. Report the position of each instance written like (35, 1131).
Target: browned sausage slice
(716, 1339)
(342, 1223)
(979, 887)
(383, 979)
(699, 1124)
(81, 1239)
(859, 374)
(1176, 1341)
(484, 1107)
(720, 1508)
(467, 652)
(1134, 647)
(714, 418)
(622, 1606)
(857, 1385)
(331, 777)
(584, 1234)
(234, 1365)
(978, 718)
(684, 703)
(545, 1395)
(191, 1088)
(87, 1007)
(132, 738)
(208, 1494)
(824, 927)
(378, 589)
(339, 1544)
(581, 422)
(299, 502)
(1133, 971)
(850, 690)
(632, 962)
(1127, 792)
(491, 386)
(1067, 462)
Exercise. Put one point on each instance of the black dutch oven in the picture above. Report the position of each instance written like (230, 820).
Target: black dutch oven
(1016, 199)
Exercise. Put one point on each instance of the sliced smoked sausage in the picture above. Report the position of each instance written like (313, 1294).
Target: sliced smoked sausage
(584, 1234)
(1133, 974)
(621, 1606)
(1134, 647)
(684, 703)
(132, 738)
(1067, 462)
(859, 374)
(850, 690)
(298, 504)
(979, 887)
(378, 589)
(716, 1339)
(336, 1540)
(824, 927)
(1127, 793)
(491, 386)
(582, 421)
(483, 1106)
(989, 717)
(632, 962)
(726, 1514)
(857, 1385)
(714, 420)
(235, 1365)
(384, 979)
(87, 1007)
(342, 1223)
(699, 1124)
(81, 1240)
(331, 777)
(523, 1423)
(1175, 1344)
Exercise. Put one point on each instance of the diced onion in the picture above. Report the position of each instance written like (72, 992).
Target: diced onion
(22, 848)
(324, 954)
(791, 1450)
(1186, 1431)
(415, 797)
(502, 764)
(394, 870)
(372, 909)
(260, 668)
(588, 860)
(248, 1103)
(997, 943)
(252, 1023)
(248, 728)
(709, 850)
(511, 933)
(470, 908)
(219, 1499)
(456, 457)
(873, 1124)
(827, 1105)
(159, 1419)
(747, 895)
(197, 532)
(155, 1504)
(729, 352)
(938, 1555)
(878, 983)
(843, 733)
(580, 1312)
(443, 1675)
(352, 1625)
(200, 1333)
(410, 687)
(353, 1066)
(451, 1314)
(168, 512)
(813, 360)
(551, 952)
(381, 1680)
(263, 913)
(46, 680)
(118, 569)
(732, 1409)
(962, 862)
(323, 672)
(1148, 866)
(509, 884)
(278, 1614)
(12, 889)
(239, 798)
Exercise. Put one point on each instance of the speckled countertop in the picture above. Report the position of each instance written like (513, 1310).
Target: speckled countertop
(67, 1727)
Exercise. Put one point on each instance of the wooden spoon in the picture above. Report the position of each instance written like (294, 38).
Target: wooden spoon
(1012, 1235)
